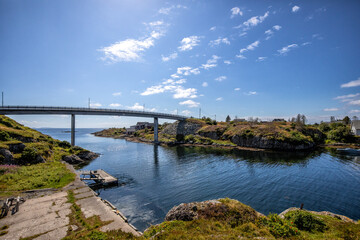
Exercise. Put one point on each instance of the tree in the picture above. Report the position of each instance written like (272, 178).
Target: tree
(228, 119)
(303, 119)
(354, 118)
(346, 120)
(332, 119)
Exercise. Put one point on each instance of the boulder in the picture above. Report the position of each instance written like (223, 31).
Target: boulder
(87, 155)
(16, 148)
(188, 211)
(7, 156)
(73, 159)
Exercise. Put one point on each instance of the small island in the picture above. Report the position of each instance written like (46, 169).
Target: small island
(252, 134)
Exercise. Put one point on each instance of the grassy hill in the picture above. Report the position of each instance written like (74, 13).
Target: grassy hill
(31, 160)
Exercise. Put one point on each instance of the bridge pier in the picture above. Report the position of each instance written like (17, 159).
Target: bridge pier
(156, 130)
(72, 129)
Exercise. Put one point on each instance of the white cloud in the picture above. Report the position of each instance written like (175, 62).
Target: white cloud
(170, 57)
(241, 56)
(277, 27)
(174, 76)
(295, 8)
(186, 112)
(355, 102)
(212, 62)
(153, 90)
(252, 22)
(116, 94)
(331, 109)
(180, 92)
(251, 47)
(212, 28)
(115, 105)
(220, 79)
(305, 43)
(260, 59)
(347, 96)
(136, 107)
(219, 99)
(167, 10)
(354, 83)
(355, 111)
(236, 11)
(251, 93)
(95, 105)
(236, 89)
(270, 33)
(187, 71)
(155, 23)
(204, 84)
(286, 49)
(128, 50)
(190, 103)
(227, 62)
(218, 41)
(188, 43)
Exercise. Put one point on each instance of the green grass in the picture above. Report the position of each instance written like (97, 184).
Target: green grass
(43, 175)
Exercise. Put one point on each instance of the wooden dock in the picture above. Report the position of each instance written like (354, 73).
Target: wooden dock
(98, 176)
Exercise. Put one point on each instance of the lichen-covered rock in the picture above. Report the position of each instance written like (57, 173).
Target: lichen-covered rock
(181, 128)
(222, 209)
(17, 147)
(265, 143)
(7, 157)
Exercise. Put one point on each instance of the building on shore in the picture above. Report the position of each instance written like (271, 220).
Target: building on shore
(355, 127)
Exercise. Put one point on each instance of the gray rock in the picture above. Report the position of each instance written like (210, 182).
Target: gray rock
(73, 159)
(87, 155)
(263, 142)
(8, 157)
(16, 148)
(188, 211)
(181, 128)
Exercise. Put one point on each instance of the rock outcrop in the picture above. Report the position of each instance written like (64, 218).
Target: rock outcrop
(265, 143)
(80, 158)
(213, 209)
(17, 147)
(181, 128)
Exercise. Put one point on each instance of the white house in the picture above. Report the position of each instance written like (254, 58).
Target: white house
(355, 127)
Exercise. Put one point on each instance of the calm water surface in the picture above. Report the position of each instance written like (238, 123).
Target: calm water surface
(156, 178)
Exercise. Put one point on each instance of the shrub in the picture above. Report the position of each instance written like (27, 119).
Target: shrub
(189, 138)
(64, 144)
(29, 154)
(279, 227)
(4, 136)
(306, 221)
(340, 134)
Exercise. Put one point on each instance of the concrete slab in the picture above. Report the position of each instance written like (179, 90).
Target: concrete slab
(85, 195)
(59, 233)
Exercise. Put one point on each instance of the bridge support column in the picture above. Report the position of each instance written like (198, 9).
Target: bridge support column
(156, 130)
(72, 129)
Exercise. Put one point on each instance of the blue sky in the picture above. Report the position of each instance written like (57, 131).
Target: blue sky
(262, 59)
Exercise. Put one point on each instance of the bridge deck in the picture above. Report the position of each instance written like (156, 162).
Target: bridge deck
(17, 110)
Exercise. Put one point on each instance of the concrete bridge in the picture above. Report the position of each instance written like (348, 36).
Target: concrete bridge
(34, 110)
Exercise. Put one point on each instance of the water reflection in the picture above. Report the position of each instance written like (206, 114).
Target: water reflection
(270, 158)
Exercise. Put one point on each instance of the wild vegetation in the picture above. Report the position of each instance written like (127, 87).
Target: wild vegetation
(31, 160)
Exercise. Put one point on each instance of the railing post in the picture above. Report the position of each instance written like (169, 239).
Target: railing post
(72, 129)
(156, 130)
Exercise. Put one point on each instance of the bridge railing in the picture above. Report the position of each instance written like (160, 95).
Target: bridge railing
(93, 110)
